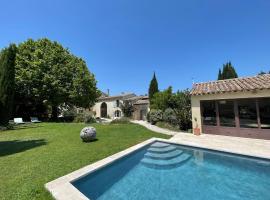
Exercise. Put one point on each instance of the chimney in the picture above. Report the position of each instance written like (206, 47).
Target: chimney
(108, 92)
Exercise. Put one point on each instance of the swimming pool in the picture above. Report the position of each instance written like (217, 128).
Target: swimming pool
(169, 171)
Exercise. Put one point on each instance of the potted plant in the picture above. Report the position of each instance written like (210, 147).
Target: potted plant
(196, 130)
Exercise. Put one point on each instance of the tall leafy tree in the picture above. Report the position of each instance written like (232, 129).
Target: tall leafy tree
(228, 72)
(7, 82)
(160, 100)
(47, 73)
(153, 88)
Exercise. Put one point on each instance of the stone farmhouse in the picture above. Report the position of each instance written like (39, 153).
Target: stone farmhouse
(110, 106)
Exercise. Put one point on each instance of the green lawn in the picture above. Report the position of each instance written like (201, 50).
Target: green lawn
(33, 156)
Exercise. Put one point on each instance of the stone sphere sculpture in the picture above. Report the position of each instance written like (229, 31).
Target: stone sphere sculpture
(88, 134)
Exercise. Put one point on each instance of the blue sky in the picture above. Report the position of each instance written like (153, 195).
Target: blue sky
(125, 41)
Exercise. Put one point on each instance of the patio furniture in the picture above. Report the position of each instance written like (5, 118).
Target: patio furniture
(18, 121)
(34, 120)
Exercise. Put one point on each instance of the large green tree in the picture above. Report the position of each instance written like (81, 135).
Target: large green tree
(7, 82)
(153, 88)
(228, 72)
(47, 73)
(160, 100)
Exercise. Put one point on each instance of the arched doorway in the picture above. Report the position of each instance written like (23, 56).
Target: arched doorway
(103, 110)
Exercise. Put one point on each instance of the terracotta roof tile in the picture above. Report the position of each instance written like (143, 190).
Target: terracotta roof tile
(232, 85)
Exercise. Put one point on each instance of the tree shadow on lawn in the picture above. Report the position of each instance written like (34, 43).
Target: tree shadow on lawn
(17, 146)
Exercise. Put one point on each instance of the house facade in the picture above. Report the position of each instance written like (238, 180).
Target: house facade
(110, 106)
(234, 107)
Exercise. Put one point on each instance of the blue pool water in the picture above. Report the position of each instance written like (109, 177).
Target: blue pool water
(169, 172)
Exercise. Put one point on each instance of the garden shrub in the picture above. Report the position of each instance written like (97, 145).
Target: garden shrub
(68, 115)
(122, 120)
(88, 119)
(79, 118)
(155, 116)
(179, 105)
(169, 116)
(84, 118)
(180, 102)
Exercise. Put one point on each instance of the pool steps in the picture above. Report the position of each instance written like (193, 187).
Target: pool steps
(160, 145)
(162, 149)
(164, 156)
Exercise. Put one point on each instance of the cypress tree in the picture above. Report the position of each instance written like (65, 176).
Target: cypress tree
(231, 71)
(7, 83)
(228, 72)
(262, 73)
(225, 73)
(153, 88)
(219, 75)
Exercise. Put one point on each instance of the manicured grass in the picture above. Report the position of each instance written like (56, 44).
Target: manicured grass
(31, 157)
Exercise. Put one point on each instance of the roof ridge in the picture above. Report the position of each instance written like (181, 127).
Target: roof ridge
(230, 79)
(258, 82)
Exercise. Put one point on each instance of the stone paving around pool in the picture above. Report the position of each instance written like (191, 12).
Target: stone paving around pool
(244, 146)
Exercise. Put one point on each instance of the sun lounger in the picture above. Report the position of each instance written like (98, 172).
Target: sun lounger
(18, 121)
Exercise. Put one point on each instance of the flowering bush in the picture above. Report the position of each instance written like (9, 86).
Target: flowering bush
(155, 116)
(169, 116)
